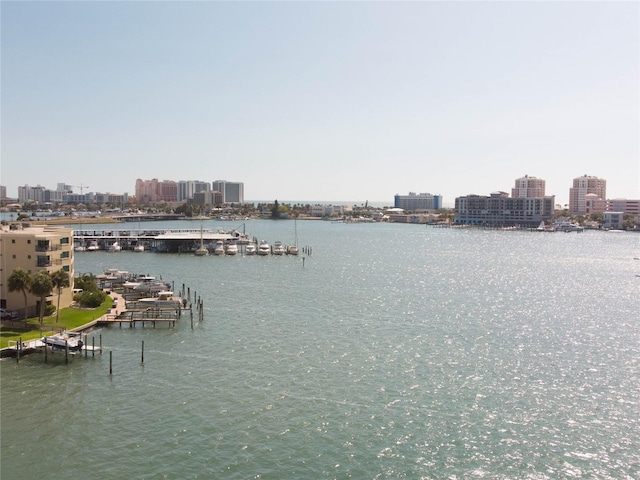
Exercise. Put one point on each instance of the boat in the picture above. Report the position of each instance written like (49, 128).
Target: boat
(219, 248)
(250, 249)
(62, 341)
(564, 226)
(232, 249)
(93, 246)
(201, 251)
(293, 249)
(165, 299)
(138, 247)
(80, 248)
(115, 247)
(264, 248)
(278, 248)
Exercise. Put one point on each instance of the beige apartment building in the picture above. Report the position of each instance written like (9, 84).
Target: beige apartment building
(35, 248)
(582, 186)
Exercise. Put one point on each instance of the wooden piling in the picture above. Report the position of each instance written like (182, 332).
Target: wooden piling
(18, 348)
(66, 351)
(110, 362)
(143, 352)
(93, 346)
(100, 344)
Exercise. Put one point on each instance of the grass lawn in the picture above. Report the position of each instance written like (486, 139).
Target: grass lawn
(69, 318)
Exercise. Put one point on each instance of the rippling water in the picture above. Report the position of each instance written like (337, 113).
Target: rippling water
(393, 351)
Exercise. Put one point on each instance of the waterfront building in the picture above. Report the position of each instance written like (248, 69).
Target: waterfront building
(33, 249)
(500, 210)
(418, 202)
(613, 220)
(581, 187)
(320, 210)
(528, 187)
(187, 188)
(232, 192)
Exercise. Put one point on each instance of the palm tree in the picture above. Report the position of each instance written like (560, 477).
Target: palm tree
(19, 280)
(41, 286)
(60, 280)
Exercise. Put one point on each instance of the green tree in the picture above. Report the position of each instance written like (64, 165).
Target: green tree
(60, 280)
(41, 286)
(275, 210)
(20, 281)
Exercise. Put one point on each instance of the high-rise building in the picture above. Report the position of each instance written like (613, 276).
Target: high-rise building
(232, 192)
(528, 187)
(421, 201)
(187, 188)
(500, 210)
(152, 191)
(583, 186)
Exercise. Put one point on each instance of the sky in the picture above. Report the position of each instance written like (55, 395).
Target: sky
(321, 101)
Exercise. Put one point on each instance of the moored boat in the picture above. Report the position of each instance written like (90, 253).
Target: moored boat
(62, 341)
(251, 249)
(264, 248)
(164, 299)
(278, 248)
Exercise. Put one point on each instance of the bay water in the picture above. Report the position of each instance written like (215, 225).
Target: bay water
(392, 351)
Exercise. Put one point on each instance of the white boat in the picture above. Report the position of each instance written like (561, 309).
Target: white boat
(165, 299)
(250, 249)
(278, 248)
(115, 247)
(264, 248)
(292, 250)
(80, 248)
(219, 248)
(93, 246)
(138, 247)
(62, 341)
(564, 226)
(232, 249)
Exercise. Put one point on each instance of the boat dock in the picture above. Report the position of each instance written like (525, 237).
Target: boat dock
(170, 241)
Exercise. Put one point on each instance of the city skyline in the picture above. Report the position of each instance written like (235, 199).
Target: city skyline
(322, 101)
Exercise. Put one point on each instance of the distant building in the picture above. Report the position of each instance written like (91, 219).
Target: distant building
(232, 192)
(581, 187)
(500, 210)
(208, 198)
(27, 193)
(149, 192)
(33, 249)
(187, 188)
(319, 210)
(612, 220)
(418, 202)
(528, 187)
(3, 192)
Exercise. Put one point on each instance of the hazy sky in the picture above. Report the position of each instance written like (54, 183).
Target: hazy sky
(322, 100)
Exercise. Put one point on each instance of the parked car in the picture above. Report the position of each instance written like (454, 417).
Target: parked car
(9, 314)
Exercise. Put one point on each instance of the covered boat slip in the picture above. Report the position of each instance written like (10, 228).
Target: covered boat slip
(170, 241)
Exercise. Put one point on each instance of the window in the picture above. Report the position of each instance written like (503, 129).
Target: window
(64, 241)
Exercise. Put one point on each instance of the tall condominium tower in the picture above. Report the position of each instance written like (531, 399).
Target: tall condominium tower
(528, 187)
(232, 192)
(583, 186)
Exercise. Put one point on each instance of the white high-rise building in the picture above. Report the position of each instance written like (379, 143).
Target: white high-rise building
(187, 188)
(583, 186)
(232, 192)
